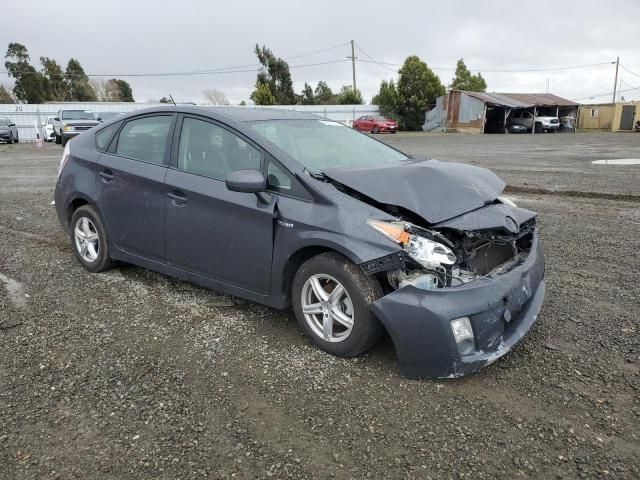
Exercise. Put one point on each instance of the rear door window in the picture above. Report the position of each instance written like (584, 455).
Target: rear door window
(104, 136)
(145, 139)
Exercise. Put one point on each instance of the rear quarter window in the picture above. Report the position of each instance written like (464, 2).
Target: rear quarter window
(104, 136)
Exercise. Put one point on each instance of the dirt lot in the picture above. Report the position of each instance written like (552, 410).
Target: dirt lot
(129, 374)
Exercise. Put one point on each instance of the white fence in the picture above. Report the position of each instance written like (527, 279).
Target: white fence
(29, 118)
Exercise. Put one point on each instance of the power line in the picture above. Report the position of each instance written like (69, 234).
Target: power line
(630, 71)
(219, 70)
(182, 74)
(373, 60)
(609, 93)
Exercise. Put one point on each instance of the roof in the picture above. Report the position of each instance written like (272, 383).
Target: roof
(521, 100)
(249, 114)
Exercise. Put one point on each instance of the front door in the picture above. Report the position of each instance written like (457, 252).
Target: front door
(626, 120)
(130, 185)
(210, 230)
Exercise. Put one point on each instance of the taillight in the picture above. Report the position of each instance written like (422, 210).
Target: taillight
(65, 157)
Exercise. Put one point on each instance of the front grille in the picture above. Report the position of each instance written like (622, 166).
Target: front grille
(82, 128)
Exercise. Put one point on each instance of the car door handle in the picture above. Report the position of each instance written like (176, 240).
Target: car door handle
(107, 175)
(178, 198)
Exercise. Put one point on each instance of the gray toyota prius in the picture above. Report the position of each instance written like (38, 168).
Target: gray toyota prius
(296, 211)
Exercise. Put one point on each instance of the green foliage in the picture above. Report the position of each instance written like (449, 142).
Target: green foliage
(465, 81)
(276, 76)
(262, 95)
(55, 83)
(417, 87)
(80, 90)
(349, 96)
(307, 97)
(122, 90)
(324, 95)
(165, 100)
(5, 96)
(243, 103)
(387, 100)
(408, 100)
(29, 83)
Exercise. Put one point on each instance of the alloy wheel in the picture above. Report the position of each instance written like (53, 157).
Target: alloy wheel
(86, 239)
(327, 308)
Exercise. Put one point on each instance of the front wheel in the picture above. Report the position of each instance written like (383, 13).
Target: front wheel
(330, 297)
(89, 239)
(58, 139)
(375, 130)
(10, 141)
(64, 141)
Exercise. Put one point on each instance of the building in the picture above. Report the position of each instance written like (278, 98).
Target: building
(610, 117)
(480, 112)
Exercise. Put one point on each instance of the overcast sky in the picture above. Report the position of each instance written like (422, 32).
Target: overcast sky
(118, 37)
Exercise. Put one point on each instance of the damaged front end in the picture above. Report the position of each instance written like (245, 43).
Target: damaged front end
(462, 292)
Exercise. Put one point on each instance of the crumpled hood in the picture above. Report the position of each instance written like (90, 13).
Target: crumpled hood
(433, 190)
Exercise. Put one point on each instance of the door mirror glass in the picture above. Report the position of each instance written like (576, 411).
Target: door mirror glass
(246, 181)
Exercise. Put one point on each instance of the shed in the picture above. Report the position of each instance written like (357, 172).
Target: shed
(481, 112)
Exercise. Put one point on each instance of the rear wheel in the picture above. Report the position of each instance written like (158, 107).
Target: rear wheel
(330, 297)
(89, 239)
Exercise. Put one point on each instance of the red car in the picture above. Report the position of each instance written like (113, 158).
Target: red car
(375, 124)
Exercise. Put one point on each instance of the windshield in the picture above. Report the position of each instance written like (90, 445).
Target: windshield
(108, 115)
(4, 122)
(321, 144)
(78, 115)
(379, 118)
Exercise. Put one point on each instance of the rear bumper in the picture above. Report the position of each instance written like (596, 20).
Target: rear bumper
(502, 308)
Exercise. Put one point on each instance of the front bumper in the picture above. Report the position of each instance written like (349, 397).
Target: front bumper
(5, 135)
(71, 133)
(502, 308)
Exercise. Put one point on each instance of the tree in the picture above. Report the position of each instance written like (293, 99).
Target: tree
(417, 87)
(275, 74)
(215, 97)
(243, 103)
(387, 100)
(324, 95)
(349, 96)
(165, 100)
(307, 97)
(5, 96)
(55, 82)
(80, 90)
(464, 80)
(262, 95)
(29, 83)
(122, 90)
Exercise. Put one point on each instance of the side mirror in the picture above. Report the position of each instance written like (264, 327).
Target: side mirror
(246, 181)
(57, 119)
(99, 119)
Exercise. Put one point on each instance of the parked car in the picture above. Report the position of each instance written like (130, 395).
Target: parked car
(375, 124)
(69, 123)
(516, 128)
(542, 123)
(8, 131)
(47, 130)
(104, 116)
(295, 211)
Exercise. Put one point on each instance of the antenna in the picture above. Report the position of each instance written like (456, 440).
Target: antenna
(172, 100)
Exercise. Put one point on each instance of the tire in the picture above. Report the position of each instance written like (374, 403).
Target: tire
(96, 257)
(17, 140)
(58, 139)
(538, 128)
(10, 141)
(375, 129)
(64, 141)
(359, 290)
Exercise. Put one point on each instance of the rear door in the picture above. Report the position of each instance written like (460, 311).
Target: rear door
(210, 230)
(130, 184)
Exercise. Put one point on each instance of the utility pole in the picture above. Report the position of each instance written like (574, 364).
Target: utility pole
(353, 63)
(615, 82)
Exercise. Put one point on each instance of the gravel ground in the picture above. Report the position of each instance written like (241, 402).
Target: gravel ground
(130, 374)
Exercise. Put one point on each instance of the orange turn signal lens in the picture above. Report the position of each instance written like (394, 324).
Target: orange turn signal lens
(394, 231)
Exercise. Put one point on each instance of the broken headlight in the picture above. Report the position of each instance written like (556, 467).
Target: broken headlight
(428, 253)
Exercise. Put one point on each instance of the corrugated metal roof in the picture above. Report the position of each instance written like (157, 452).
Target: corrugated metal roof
(497, 99)
(541, 99)
(521, 100)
